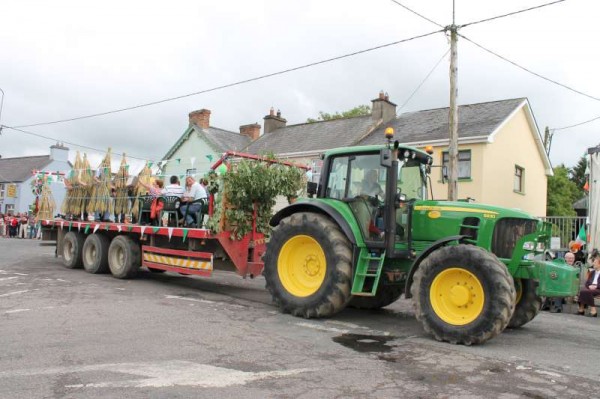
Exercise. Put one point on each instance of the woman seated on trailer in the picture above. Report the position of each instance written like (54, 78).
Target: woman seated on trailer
(155, 190)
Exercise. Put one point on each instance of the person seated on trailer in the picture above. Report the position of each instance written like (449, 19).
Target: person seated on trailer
(155, 190)
(556, 304)
(191, 201)
(591, 289)
(174, 188)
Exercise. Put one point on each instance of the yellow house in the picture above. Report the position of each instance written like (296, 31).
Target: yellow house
(501, 158)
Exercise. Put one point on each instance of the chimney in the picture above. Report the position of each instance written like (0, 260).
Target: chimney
(273, 122)
(58, 152)
(200, 118)
(383, 108)
(252, 131)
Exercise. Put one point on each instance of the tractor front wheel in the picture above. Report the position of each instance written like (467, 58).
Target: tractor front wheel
(463, 295)
(308, 266)
(528, 303)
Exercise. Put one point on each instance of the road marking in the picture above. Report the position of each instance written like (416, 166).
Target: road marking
(183, 298)
(14, 293)
(161, 374)
(322, 328)
(8, 278)
(18, 274)
(17, 310)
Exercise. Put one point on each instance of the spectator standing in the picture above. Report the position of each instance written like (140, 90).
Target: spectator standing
(13, 226)
(2, 226)
(592, 288)
(32, 227)
(23, 224)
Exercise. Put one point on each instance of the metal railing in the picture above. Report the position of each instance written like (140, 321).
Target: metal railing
(564, 230)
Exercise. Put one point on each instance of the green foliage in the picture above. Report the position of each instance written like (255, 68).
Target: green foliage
(360, 110)
(577, 175)
(562, 192)
(251, 185)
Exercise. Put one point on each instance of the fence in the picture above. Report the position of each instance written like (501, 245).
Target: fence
(564, 230)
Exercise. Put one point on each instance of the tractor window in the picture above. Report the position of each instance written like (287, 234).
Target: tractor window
(411, 180)
(360, 180)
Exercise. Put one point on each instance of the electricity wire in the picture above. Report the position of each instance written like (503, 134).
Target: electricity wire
(241, 82)
(575, 125)
(510, 14)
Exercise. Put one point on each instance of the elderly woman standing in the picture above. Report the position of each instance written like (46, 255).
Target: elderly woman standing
(591, 290)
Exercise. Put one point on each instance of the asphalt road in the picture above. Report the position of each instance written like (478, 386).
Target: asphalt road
(69, 334)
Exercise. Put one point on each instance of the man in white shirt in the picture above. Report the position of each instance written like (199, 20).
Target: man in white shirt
(193, 192)
(174, 188)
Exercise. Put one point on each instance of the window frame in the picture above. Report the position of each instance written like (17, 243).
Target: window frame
(2, 190)
(470, 160)
(521, 179)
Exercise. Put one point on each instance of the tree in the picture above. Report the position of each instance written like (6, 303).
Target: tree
(577, 175)
(360, 110)
(562, 192)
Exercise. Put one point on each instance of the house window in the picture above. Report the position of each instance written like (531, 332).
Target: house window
(190, 172)
(9, 209)
(464, 163)
(519, 183)
(2, 190)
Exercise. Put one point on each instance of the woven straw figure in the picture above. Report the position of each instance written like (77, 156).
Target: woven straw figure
(101, 200)
(47, 204)
(144, 176)
(122, 206)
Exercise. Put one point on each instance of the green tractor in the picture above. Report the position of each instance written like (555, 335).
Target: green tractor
(371, 235)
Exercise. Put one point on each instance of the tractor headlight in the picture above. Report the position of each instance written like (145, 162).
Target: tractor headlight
(529, 256)
(529, 246)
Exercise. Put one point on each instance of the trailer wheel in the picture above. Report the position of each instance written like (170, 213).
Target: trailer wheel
(124, 257)
(385, 295)
(308, 266)
(463, 295)
(528, 303)
(95, 254)
(72, 246)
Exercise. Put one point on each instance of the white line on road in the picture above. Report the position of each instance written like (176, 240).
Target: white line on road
(183, 298)
(322, 328)
(17, 310)
(13, 293)
(8, 278)
(161, 374)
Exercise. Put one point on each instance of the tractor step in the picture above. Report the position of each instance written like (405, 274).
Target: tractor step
(368, 272)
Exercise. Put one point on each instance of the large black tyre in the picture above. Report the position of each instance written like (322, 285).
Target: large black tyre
(124, 257)
(72, 247)
(308, 266)
(95, 254)
(463, 295)
(528, 303)
(386, 293)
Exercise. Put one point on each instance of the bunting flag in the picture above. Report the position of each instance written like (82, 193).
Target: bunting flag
(142, 229)
(170, 232)
(119, 228)
(185, 233)
(155, 229)
(87, 229)
(62, 225)
(78, 226)
(586, 186)
(209, 157)
(178, 161)
(107, 227)
(70, 225)
(582, 236)
(192, 161)
(130, 227)
(96, 227)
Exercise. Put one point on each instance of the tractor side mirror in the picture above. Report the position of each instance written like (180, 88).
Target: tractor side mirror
(385, 157)
(311, 189)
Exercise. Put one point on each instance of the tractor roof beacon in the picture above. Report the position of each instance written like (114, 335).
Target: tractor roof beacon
(372, 234)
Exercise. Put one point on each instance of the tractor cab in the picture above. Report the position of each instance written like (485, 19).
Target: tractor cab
(380, 185)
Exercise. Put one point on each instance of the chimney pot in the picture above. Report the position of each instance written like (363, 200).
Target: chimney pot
(273, 122)
(278, 113)
(381, 95)
(272, 112)
(383, 109)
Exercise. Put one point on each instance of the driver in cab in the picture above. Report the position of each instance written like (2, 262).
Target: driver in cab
(369, 186)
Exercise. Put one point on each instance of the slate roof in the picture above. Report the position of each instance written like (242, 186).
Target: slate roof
(315, 136)
(222, 140)
(16, 170)
(474, 120)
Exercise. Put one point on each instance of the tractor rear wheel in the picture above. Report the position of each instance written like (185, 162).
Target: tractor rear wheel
(386, 294)
(308, 266)
(463, 295)
(528, 303)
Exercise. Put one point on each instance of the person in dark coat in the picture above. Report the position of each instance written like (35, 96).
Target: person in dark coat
(591, 290)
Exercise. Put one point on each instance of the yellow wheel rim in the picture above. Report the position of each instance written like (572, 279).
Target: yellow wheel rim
(301, 266)
(519, 289)
(457, 296)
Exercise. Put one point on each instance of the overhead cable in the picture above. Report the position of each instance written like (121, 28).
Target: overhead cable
(234, 83)
(575, 125)
(510, 13)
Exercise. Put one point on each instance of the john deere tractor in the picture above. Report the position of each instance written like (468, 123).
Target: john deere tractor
(371, 235)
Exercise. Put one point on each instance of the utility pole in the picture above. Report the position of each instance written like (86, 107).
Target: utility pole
(453, 120)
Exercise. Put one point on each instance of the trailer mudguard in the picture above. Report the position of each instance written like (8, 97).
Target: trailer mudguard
(317, 207)
(437, 244)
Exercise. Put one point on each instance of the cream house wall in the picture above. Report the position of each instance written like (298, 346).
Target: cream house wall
(514, 144)
(196, 147)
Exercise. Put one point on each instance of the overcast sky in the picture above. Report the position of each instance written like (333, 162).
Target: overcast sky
(64, 59)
